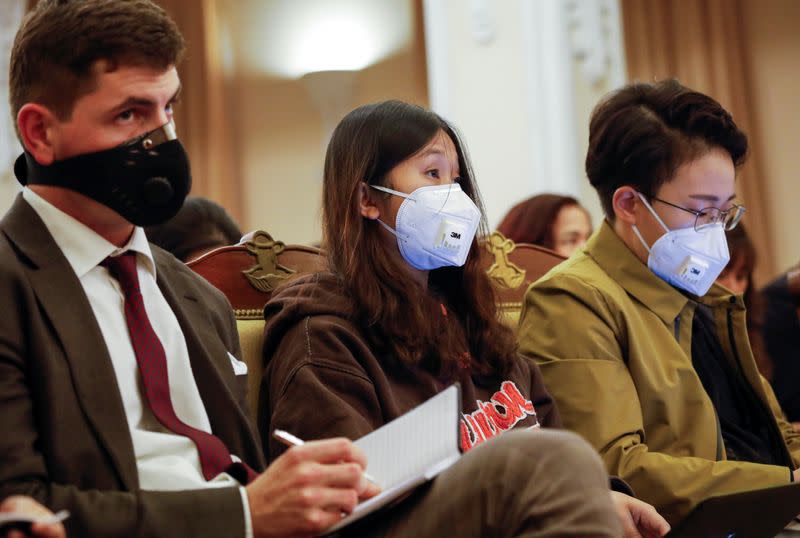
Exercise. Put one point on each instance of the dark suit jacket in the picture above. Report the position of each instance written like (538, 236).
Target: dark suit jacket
(64, 437)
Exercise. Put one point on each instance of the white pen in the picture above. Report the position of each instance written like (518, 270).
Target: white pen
(291, 440)
(58, 517)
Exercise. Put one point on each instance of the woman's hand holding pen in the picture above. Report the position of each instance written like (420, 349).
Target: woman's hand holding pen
(308, 488)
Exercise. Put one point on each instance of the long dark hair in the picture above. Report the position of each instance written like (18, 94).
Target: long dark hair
(532, 220)
(404, 322)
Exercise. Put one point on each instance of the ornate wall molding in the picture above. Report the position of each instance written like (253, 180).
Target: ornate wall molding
(596, 39)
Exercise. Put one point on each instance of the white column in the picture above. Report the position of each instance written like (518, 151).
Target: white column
(515, 77)
(550, 97)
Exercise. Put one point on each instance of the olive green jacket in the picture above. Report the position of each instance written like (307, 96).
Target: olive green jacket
(613, 342)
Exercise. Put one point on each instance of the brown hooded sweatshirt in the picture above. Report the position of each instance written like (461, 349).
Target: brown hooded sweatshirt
(322, 379)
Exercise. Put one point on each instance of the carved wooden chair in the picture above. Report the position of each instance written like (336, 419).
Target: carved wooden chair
(247, 274)
(512, 267)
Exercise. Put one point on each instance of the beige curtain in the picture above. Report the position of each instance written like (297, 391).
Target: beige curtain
(203, 124)
(702, 43)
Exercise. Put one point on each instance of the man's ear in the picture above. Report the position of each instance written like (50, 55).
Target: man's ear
(35, 123)
(625, 203)
(368, 206)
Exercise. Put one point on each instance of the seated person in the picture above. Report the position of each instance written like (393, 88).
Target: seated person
(553, 221)
(782, 338)
(21, 504)
(199, 227)
(119, 395)
(645, 357)
(405, 310)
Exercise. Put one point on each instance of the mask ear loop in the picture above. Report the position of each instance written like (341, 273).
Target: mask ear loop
(641, 239)
(652, 212)
(392, 191)
(390, 229)
(396, 193)
(410, 197)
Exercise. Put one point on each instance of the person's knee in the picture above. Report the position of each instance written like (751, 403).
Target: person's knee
(551, 449)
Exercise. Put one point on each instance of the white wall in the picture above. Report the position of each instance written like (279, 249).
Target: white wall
(282, 131)
(519, 78)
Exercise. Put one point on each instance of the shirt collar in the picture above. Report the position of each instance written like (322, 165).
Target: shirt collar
(609, 251)
(84, 248)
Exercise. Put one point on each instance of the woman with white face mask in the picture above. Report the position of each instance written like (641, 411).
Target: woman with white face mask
(404, 310)
(677, 405)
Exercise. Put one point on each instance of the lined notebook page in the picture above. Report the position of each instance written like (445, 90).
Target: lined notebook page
(406, 447)
(410, 450)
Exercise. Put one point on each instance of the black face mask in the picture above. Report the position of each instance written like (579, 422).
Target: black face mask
(145, 179)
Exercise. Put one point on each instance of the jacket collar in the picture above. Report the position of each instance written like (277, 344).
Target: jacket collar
(608, 250)
(84, 248)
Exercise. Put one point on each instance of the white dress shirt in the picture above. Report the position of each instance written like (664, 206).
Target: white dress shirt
(164, 460)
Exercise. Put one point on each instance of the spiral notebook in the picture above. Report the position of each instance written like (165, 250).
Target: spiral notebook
(410, 450)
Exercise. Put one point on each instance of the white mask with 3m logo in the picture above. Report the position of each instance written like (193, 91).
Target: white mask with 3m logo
(435, 225)
(685, 258)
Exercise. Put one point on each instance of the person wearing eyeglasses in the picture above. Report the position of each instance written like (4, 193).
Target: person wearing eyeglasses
(645, 356)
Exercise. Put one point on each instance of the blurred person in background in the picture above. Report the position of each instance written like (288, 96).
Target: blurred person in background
(199, 227)
(553, 221)
(781, 331)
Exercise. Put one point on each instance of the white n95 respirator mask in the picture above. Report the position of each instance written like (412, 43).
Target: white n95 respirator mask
(435, 225)
(685, 258)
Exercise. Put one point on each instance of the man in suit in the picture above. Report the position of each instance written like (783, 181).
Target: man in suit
(119, 399)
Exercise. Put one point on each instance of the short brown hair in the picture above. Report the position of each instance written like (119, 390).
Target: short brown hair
(642, 133)
(59, 42)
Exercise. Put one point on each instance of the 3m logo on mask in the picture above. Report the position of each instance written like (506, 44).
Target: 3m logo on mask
(692, 269)
(449, 236)
(504, 410)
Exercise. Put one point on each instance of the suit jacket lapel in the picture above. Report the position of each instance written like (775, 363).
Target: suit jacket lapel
(66, 306)
(215, 378)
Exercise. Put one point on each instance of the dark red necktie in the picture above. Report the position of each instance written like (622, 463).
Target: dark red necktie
(214, 455)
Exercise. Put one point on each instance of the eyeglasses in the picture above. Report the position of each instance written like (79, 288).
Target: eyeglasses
(709, 216)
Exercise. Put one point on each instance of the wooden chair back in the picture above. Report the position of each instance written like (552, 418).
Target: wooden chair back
(512, 268)
(247, 274)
